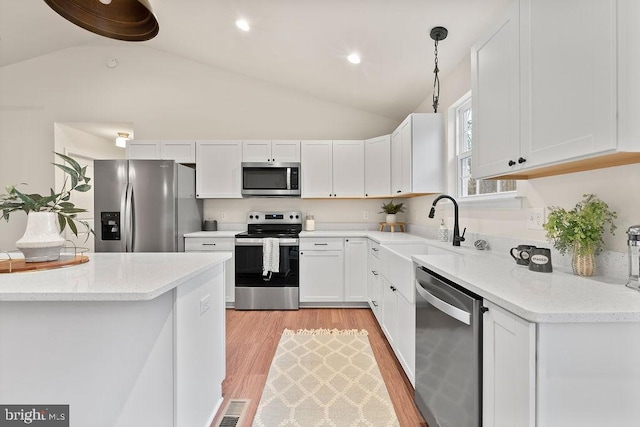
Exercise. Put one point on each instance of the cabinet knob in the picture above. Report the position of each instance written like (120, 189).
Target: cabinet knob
(399, 191)
(374, 303)
(522, 160)
(511, 163)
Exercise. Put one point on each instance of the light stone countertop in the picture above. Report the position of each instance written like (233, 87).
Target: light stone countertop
(110, 277)
(213, 233)
(555, 297)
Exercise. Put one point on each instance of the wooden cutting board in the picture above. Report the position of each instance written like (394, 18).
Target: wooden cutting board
(19, 265)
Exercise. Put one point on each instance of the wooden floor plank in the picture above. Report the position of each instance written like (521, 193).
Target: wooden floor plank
(252, 338)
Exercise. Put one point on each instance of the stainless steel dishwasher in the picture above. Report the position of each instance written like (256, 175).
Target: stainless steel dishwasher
(448, 352)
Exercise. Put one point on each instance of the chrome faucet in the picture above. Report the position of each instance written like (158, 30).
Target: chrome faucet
(457, 238)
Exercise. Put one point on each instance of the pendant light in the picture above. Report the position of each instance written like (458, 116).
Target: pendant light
(437, 34)
(128, 20)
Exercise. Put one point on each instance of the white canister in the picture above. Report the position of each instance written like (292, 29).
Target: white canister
(309, 223)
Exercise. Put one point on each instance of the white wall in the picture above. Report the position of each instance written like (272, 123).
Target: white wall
(164, 95)
(617, 186)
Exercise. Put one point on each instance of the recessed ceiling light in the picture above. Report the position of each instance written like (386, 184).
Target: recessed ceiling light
(354, 58)
(243, 24)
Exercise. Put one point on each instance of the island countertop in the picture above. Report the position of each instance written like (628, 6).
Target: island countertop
(110, 277)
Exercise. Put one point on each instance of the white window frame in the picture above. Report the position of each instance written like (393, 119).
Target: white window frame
(501, 200)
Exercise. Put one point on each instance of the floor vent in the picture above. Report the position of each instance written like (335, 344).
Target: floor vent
(233, 413)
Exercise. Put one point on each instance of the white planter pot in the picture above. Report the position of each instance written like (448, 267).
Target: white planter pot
(42, 240)
(391, 218)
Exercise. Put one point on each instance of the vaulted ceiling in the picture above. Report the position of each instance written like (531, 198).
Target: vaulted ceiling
(297, 44)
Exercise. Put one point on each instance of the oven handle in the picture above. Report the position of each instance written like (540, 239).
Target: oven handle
(444, 307)
(243, 242)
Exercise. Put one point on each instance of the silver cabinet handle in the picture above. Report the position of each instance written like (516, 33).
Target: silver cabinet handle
(320, 244)
(374, 249)
(375, 273)
(374, 303)
(208, 244)
(444, 307)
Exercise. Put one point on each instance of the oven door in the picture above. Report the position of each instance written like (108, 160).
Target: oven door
(278, 291)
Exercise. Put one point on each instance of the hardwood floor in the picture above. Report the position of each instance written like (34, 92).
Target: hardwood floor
(252, 338)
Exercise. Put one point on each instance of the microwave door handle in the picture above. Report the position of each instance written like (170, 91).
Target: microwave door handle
(288, 178)
(444, 307)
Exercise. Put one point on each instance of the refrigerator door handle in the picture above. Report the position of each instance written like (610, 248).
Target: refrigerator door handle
(124, 218)
(132, 217)
(129, 219)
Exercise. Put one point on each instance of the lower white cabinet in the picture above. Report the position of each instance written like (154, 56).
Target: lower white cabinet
(389, 312)
(509, 369)
(321, 270)
(217, 244)
(355, 269)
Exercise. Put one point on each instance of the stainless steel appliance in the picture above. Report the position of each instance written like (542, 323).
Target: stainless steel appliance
(270, 179)
(448, 352)
(633, 242)
(144, 205)
(276, 291)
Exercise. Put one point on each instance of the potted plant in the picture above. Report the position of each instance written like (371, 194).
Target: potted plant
(392, 209)
(580, 231)
(47, 216)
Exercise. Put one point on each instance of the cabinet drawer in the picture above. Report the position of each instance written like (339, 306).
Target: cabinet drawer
(202, 244)
(327, 244)
(374, 249)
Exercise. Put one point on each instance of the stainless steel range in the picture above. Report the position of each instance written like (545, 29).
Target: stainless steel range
(257, 288)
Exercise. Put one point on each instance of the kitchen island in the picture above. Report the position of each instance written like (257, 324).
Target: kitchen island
(131, 339)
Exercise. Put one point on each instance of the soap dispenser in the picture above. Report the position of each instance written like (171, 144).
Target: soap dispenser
(443, 232)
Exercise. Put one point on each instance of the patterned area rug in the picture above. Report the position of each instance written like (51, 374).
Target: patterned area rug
(324, 377)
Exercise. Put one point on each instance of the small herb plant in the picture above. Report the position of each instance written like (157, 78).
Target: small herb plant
(75, 180)
(391, 208)
(581, 228)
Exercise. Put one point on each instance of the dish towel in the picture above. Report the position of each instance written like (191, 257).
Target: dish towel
(270, 256)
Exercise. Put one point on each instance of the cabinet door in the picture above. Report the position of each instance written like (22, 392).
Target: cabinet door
(321, 276)
(348, 168)
(256, 151)
(317, 164)
(180, 151)
(568, 79)
(396, 162)
(355, 269)
(508, 369)
(213, 244)
(285, 151)
(218, 169)
(407, 336)
(377, 166)
(406, 134)
(389, 312)
(495, 83)
(142, 150)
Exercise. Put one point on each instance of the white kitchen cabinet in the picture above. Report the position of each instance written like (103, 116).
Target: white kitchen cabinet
(390, 312)
(496, 97)
(550, 103)
(508, 369)
(374, 289)
(218, 169)
(180, 151)
(377, 166)
(217, 244)
(355, 269)
(417, 155)
(332, 169)
(406, 342)
(321, 270)
(142, 150)
(271, 151)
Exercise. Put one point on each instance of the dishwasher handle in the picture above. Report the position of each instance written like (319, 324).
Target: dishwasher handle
(444, 307)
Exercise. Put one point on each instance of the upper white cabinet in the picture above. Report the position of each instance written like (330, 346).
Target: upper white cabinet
(270, 151)
(547, 93)
(180, 151)
(377, 166)
(218, 169)
(332, 169)
(417, 155)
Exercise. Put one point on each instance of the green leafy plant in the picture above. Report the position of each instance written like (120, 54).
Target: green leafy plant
(75, 180)
(581, 228)
(391, 208)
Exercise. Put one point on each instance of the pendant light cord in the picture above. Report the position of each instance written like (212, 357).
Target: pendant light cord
(436, 80)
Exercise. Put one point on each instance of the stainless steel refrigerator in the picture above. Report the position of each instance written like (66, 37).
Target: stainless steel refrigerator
(144, 205)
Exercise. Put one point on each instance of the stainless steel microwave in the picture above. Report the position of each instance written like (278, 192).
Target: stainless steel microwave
(270, 179)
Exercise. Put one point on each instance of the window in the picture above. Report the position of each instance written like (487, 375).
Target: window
(467, 185)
